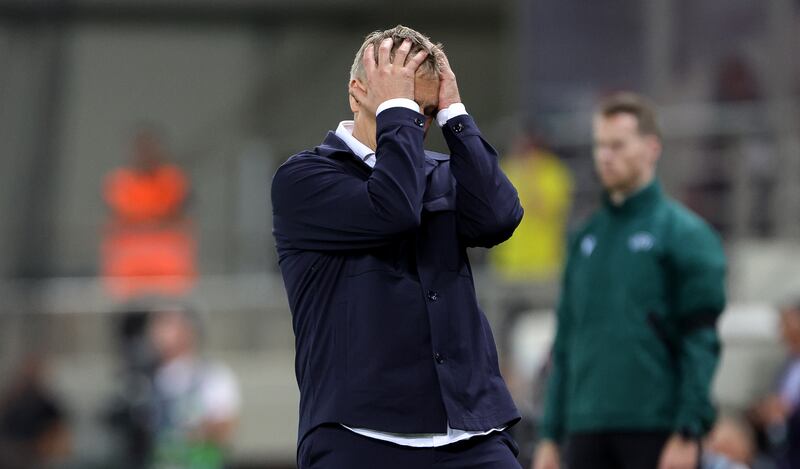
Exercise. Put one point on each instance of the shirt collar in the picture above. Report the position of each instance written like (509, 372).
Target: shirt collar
(345, 132)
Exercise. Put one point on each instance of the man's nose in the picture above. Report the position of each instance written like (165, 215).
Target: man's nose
(604, 155)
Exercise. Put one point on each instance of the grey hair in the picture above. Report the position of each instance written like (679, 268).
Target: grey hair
(418, 42)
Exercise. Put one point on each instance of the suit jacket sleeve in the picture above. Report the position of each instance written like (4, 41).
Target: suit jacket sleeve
(487, 204)
(699, 278)
(317, 205)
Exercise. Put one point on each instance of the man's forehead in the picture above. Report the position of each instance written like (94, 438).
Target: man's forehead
(616, 125)
(426, 94)
(620, 120)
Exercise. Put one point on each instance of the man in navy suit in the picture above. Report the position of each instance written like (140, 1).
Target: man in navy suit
(395, 361)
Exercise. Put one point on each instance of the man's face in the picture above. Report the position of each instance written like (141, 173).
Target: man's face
(171, 334)
(623, 157)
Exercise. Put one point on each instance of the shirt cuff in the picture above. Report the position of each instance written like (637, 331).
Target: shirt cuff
(397, 102)
(454, 110)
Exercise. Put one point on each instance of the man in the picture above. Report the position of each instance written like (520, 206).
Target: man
(777, 415)
(148, 246)
(34, 425)
(395, 361)
(636, 346)
(196, 401)
(535, 253)
(531, 260)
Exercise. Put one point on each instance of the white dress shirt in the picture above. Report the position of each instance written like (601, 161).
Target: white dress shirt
(199, 392)
(417, 440)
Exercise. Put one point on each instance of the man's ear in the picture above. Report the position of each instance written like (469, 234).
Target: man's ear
(355, 84)
(654, 144)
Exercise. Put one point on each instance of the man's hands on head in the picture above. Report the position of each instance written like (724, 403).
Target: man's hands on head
(448, 88)
(387, 78)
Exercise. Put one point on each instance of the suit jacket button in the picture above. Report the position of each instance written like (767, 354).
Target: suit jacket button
(439, 359)
(433, 295)
(419, 122)
(458, 127)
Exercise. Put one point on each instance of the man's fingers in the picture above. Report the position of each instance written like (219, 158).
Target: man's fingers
(369, 58)
(415, 61)
(442, 59)
(444, 64)
(384, 51)
(401, 53)
(359, 94)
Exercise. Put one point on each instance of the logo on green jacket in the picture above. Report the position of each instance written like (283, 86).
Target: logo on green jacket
(641, 241)
(588, 244)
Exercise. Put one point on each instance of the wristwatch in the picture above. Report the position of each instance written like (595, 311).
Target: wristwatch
(689, 433)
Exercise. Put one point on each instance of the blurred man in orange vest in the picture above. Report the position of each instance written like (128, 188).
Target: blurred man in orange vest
(148, 247)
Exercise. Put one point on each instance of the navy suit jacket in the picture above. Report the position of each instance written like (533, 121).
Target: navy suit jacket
(389, 335)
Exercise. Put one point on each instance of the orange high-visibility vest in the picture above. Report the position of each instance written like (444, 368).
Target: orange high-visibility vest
(136, 196)
(148, 246)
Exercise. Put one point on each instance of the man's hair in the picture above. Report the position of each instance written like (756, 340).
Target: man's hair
(637, 106)
(418, 42)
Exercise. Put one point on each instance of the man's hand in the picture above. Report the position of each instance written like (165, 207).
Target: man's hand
(772, 411)
(680, 453)
(547, 456)
(448, 88)
(387, 78)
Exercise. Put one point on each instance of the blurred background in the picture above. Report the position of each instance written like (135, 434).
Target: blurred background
(138, 139)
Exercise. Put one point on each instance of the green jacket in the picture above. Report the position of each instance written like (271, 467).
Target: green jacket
(636, 345)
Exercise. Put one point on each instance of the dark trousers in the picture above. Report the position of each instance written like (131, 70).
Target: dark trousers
(335, 447)
(615, 450)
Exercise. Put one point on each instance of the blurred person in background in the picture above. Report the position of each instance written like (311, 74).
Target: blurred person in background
(535, 251)
(777, 416)
(529, 262)
(730, 444)
(636, 346)
(34, 431)
(748, 155)
(148, 245)
(196, 401)
(395, 360)
(129, 411)
(738, 89)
